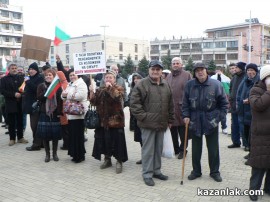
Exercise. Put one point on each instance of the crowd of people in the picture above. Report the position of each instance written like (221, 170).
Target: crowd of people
(174, 99)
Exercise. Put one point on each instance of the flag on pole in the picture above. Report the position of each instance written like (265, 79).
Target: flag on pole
(53, 87)
(60, 36)
(4, 63)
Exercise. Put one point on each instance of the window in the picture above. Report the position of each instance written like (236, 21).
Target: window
(6, 26)
(196, 57)
(4, 13)
(136, 57)
(268, 43)
(102, 45)
(185, 46)
(17, 15)
(67, 59)
(232, 56)
(196, 45)
(220, 56)
(67, 48)
(18, 39)
(232, 44)
(208, 45)
(136, 48)
(83, 46)
(184, 57)
(224, 33)
(120, 46)
(154, 47)
(120, 56)
(220, 44)
(4, 1)
(208, 57)
(175, 46)
(154, 58)
(52, 59)
(52, 50)
(165, 47)
(6, 39)
(17, 27)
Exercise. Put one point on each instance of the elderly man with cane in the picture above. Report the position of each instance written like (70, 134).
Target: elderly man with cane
(204, 105)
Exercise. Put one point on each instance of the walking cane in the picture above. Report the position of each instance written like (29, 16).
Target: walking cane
(185, 147)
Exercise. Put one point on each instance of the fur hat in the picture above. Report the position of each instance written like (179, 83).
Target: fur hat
(241, 65)
(252, 66)
(34, 66)
(265, 72)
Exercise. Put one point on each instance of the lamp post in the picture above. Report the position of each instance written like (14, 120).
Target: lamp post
(249, 39)
(104, 38)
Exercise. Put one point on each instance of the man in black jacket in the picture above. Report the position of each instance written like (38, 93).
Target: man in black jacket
(29, 97)
(10, 89)
(235, 82)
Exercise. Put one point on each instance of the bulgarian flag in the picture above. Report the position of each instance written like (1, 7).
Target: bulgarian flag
(53, 87)
(60, 36)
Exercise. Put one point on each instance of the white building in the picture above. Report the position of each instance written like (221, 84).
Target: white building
(116, 48)
(11, 30)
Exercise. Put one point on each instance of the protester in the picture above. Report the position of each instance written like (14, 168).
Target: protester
(137, 131)
(13, 104)
(76, 90)
(243, 105)
(204, 105)
(235, 82)
(225, 81)
(29, 97)
(259, 159)
(232, 67)
(119, 81)
(48, 128)
(110, 137)
(152, 105)
(165, 73)
(177, 81)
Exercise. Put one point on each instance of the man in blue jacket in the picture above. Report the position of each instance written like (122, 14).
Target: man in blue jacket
(204, 105)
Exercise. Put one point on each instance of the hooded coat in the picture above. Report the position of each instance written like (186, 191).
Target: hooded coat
(259, 99)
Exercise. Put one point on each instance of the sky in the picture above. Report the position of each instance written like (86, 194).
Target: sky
(140, 19)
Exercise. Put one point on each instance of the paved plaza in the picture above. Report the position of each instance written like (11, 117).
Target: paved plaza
(24, 176)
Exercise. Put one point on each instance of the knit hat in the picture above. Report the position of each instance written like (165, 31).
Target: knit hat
(241, 65)
(265, 72)
(252, 66)
(34, 66)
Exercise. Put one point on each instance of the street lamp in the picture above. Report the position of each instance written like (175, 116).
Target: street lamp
(104, 29)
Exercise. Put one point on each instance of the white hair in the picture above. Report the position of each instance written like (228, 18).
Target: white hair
(177, 59)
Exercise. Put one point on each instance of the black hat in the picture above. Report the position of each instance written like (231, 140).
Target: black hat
(199, 64)
(155, 63)
(34, 66)
(252, 66)
(241, 65)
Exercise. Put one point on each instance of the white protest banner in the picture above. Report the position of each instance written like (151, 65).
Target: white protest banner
(89, 62)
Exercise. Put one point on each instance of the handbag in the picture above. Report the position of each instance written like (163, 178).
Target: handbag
(168, 150)
(36, 107)
(73, 107)
(91, 119)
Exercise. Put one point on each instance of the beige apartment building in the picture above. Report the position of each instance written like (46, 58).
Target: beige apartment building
(116, 48)
(11, 30)
(224, 45)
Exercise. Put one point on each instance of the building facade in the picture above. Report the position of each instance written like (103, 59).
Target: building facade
(224, 45)
(11, 30)
(116, 49)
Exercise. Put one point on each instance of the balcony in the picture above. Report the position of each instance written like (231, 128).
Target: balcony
(185, 50)
(232, 48)
(196, 50)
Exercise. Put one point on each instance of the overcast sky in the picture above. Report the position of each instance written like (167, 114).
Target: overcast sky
(141, 19)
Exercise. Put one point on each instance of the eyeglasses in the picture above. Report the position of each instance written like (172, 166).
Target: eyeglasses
(176, 63)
